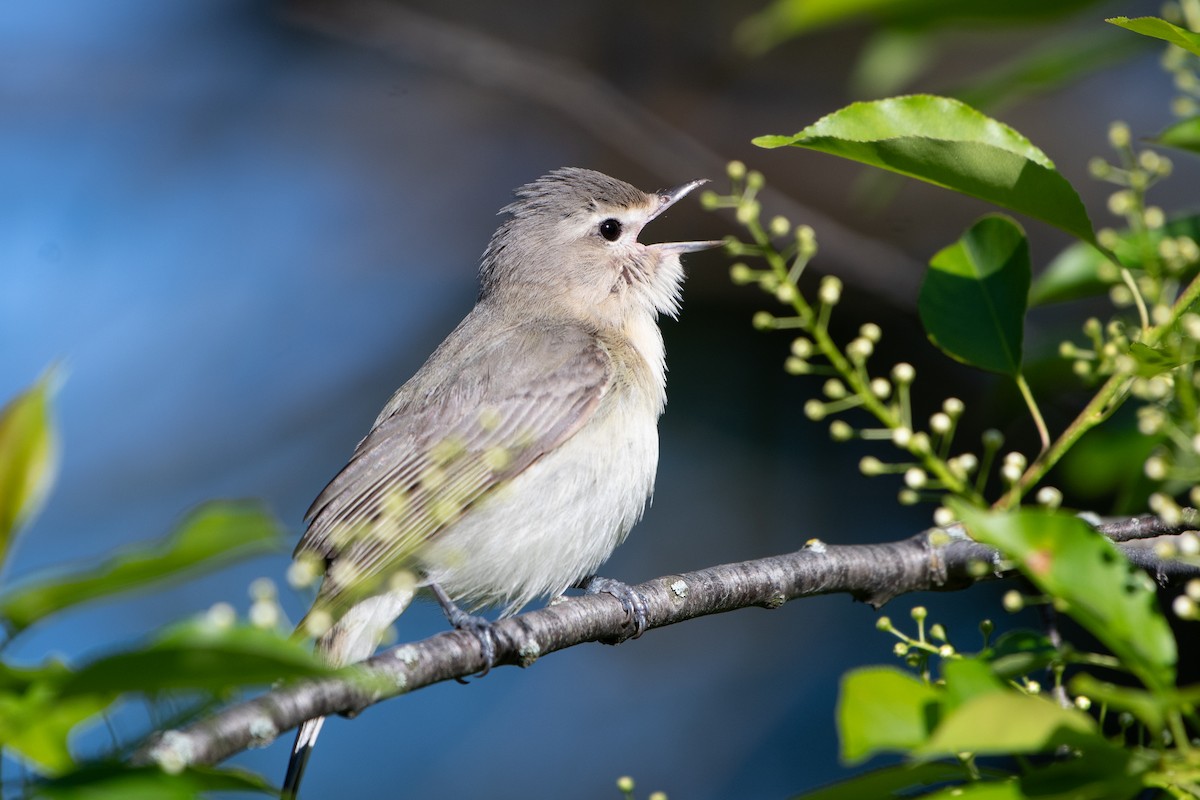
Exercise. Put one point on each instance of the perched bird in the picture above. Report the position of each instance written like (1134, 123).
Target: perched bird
(520, 455)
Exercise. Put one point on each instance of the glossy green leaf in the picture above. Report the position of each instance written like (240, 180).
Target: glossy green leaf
(883, 709)
(211, 537)
(947, 143)
(901, 780)
(123, 782)
(1064, 557)
(1160, 29)
(36, 721)
(972, 301)
(1083, 271)
(200, 654)
(1006, 723)
(786, 19)
(28, 456)
(1184, 135)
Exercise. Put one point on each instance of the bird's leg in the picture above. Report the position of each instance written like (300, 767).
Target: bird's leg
(631, 600)
(479, 627)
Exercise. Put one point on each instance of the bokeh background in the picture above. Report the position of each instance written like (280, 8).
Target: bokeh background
(241, 225)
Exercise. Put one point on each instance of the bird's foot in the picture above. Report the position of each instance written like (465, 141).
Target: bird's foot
(480, 627)
(633, 601)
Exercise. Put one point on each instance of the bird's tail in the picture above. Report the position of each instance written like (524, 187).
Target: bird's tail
(306, 739)
(351, 639)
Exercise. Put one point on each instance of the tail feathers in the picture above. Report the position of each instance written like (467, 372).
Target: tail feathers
(306, 739)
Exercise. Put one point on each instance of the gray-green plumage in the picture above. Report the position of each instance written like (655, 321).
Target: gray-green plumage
(523, 451)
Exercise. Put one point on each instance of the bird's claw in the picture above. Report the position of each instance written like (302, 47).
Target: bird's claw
(481, 628)
(633, 601)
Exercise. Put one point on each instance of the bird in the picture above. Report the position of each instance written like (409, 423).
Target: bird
(520, 455)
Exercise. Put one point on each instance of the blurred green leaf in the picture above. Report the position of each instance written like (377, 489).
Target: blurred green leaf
(890, 61)
(786, 19)
(900, 780)
(1050, 65)
(1093, 773)
(28, 456)
(1064, 557)
(1083, 271)
(949, 144)
(972, 301)
(1184, 135)
(1160, 29)
(200, 654)
(1147, 707)
(880, 709)
(210, 537)
(123, 782)
(1009, 722)
(1153, 361)
(1019, 653)
(966, 678)
(36, 721)
(981, 790)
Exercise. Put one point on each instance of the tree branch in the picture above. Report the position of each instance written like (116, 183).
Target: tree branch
(933, 560)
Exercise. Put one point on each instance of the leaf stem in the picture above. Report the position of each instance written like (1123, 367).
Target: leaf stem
(1034, 411)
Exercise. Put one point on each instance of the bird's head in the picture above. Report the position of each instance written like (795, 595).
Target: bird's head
(571, 247)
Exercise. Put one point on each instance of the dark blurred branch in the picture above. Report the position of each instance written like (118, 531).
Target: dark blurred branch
(599, 109)
(929, 561)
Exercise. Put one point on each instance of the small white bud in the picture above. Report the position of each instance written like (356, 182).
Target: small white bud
(801, 347)
(943, 517)
(815, 410)
(871, 332)
(870, 466)
(881, 388)
(834, 389)
(830, 291)
(915, 478)
(903, 373)
(901, 437)
(953, 407)
(940, 423)
(780, 226)
(1049, 497)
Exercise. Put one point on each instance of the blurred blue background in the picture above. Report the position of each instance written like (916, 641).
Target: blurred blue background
(242, 225)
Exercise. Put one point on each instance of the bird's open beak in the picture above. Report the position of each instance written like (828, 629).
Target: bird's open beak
(668, 198)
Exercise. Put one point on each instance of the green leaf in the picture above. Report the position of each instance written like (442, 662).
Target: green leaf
(1010, 722)
(1160, 29)
(36, 721)
(28, 456)
(1018, 653)
(1153, 361)
(786, 19)
(900, 780)
(1184, 135)
(1083, 271)
(972, 301)
(884, 709)
(982, 790)
(200, 654)
(1064, 557)
(122, 782)
(210, 537)
(947, 143)
(967, 678)
(1051, 64)
(1151, 709)
(1094, 773)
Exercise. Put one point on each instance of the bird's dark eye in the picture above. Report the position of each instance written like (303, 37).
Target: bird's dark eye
(610, 229)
